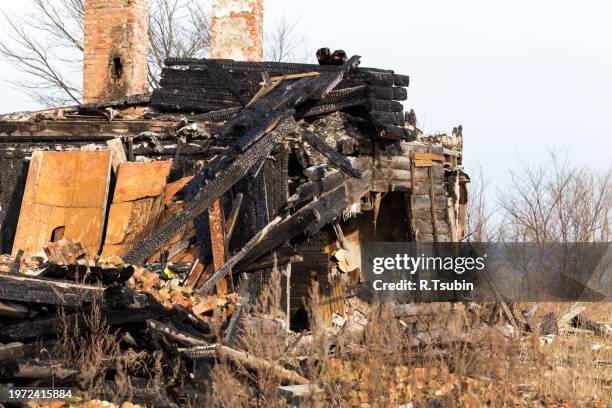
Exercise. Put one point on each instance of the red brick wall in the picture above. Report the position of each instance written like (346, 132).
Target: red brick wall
(115, 57)
(237, 29)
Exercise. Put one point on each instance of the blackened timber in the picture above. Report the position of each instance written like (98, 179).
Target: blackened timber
(322, 109)
(217, 115)
(385, 118)
(309, 219)
(216, 186)
(233, 216)
(336, 159)
(266, 112)
(79, 129)
(175, 334)
(229, 265)
(307, 191)
(274, 68)
(398, 133)
(383, 105)
(232, 85)
(51, 326)
(401, 80)
(45, 291)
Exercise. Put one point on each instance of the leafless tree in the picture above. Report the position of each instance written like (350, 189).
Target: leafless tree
(47, 44)
(480, 222)
(557, 202)
(285, 43)
(177, 28)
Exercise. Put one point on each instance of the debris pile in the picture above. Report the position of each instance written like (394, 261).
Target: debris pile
(164, 219)
(165, 215)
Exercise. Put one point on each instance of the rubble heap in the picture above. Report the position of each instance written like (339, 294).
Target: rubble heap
(168, 213)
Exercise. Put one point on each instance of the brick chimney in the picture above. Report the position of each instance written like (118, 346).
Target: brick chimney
(237, 30)
(115, 57)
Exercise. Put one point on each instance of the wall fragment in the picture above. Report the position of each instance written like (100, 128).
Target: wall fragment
(67, 192)
(137, 204)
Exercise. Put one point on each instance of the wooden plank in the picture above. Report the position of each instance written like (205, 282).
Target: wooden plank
(137, 204)
(175, 187)
(216, 222)
(45, 291)
(233, 217)
(118, 153)
(296, 76)
(432, 196)
(428, 156)
(81, 128)
(64, 189)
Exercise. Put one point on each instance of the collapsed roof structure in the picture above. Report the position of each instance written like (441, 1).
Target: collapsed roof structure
(315, 160)
(227, 170)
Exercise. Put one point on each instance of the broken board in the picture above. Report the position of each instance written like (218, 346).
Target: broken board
(65, 196)
(136, 206)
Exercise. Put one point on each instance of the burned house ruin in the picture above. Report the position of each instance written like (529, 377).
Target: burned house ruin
(319, 158)
(228, 169)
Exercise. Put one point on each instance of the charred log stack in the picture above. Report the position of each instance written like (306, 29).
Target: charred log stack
(199, 85)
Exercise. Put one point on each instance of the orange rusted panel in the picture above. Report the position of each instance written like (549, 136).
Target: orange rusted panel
(175, 187)
(139, 180)
(137, 204)
(65, 190)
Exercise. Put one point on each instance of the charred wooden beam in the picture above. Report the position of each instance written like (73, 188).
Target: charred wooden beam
(79, 129)
(259, 364)
(225, 78)
(307, 191)
(45, 291)
(216, 224)
(175, 334)
(288, 95)
(336, 159)
(309, 219)
(233, 217)
(229, 265)
(214, 188)
(50, 327)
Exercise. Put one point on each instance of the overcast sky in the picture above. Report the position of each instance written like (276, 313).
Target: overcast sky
(520, 76)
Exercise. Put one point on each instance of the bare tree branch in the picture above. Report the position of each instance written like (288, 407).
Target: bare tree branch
(557, 203)
(46, 45)
(284, 43)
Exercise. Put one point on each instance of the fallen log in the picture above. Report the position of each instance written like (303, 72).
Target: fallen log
(50, 327)
(259, 364)
(46, 291)
(10, 370)
(599, 329)
(175, 334)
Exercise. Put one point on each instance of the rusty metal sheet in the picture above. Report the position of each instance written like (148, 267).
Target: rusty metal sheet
(66, 190)
(136, 206)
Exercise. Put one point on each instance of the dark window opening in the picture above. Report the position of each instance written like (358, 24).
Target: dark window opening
(57, 233)
(117, 67)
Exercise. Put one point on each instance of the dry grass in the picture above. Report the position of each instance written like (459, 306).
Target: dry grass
(426, 360)
(104, 363)
(385, 368)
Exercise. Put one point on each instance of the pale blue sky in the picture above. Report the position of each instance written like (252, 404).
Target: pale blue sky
(520, 76)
